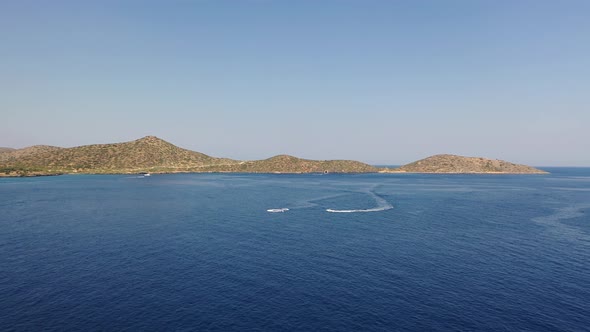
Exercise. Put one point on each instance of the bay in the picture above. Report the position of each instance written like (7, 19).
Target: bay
(201, 252)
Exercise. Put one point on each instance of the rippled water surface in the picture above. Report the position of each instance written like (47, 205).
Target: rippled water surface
(335, 253)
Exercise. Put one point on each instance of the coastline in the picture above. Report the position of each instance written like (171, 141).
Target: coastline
(38, 174)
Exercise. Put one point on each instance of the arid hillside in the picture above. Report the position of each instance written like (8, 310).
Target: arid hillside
(152, 154)
(447, 163)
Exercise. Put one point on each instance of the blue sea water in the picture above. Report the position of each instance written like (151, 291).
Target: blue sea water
(201, 252)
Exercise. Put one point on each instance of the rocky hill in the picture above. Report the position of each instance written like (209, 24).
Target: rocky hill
(151, 154)
(3, 150)
(290, 164)
(15, 154)
(447, 163)
(146, 154)
(154, 155)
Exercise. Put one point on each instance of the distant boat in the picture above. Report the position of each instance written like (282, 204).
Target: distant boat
(277, 210)
(145, 174)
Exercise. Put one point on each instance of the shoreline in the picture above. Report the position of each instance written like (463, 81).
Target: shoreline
(278, 173)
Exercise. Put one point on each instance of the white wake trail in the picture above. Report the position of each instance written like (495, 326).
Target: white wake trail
(382, 205)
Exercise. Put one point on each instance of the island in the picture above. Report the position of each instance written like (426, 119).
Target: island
(449, 164)
(154, 155)
(151, 154)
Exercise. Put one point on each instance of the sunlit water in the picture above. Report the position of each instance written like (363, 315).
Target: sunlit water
(203, 252)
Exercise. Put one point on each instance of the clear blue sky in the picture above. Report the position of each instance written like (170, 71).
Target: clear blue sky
(385, 82)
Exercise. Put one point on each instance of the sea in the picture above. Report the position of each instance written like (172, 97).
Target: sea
(312, 252)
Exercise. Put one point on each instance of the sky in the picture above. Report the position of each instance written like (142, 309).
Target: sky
(384, 82)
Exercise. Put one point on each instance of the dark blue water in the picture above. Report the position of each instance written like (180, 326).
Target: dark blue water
(200, 252)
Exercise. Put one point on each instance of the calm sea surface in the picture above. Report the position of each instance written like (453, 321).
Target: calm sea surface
(201, 252)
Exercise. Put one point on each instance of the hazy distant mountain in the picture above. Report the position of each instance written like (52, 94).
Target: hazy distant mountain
(3, 150)
(18, 154)
(151, 154)
(447, 163)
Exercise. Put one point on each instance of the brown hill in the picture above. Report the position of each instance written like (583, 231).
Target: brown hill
(3, 150)
(151, 154)
(13, 156)
(447, 163)
(146, 154)
(16, 154)
(290, 164)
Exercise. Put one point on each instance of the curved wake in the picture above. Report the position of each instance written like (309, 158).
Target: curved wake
(569, 212)
(365, 210)
(382, 205)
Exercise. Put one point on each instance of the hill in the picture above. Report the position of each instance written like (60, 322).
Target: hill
(447, 163)
(3, 150)
(146, 154)
(290, 164)
(152, 154)
(15, 154)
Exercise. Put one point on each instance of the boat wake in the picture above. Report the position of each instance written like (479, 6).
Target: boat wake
(304, 204)
(382, 205)
(310, 203)
(554, 221)
(365, 210)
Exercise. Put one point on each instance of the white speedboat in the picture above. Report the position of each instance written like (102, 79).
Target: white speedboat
(277, 210)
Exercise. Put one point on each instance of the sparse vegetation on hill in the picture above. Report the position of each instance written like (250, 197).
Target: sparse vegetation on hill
(14, 154)
(151, 154)
(3, 150)
(290, 164)
(446, 163)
